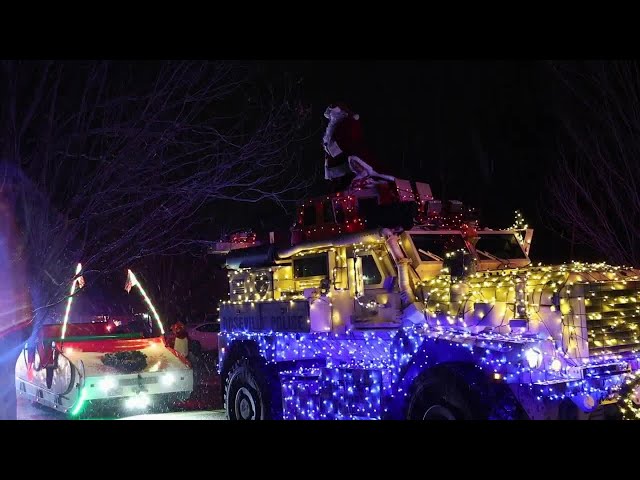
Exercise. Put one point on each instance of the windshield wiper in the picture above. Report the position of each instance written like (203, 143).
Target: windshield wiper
(429, 254)
(493, 257)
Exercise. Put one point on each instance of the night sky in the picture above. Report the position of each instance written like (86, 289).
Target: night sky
(483, 132)
(488, 133)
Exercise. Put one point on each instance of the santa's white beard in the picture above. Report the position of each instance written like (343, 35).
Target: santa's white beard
(334, 119)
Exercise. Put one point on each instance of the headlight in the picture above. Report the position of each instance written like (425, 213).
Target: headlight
(138, 402)
(556, 365)
(533, 357)
(167, 379)
(107, 383)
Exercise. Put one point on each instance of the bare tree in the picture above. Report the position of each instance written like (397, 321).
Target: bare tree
(109, 163)
(184, 287)
(595, 189)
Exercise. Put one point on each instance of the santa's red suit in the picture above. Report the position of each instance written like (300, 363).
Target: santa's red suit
(347, 155)
(181, 342)
(15, 309)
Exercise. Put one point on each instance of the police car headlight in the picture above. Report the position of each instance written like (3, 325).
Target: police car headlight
(167, 379)
(107, 384)
(533, 356)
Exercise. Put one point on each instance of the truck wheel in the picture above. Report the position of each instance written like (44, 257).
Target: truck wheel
(247, 395)
(438, 399)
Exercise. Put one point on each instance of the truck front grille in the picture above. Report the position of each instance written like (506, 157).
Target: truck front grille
(612, 311)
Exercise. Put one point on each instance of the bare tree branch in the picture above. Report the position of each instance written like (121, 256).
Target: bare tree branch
(109, 163)
(594, 190)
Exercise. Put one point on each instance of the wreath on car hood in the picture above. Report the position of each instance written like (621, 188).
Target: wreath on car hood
(128, 362)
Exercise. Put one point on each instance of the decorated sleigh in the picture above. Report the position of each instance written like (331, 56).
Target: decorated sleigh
(111, 358)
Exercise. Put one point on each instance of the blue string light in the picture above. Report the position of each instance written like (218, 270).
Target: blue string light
(368, 374)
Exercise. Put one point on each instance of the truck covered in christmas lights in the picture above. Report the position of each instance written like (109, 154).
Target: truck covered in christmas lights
(389, 304)
(106, 347)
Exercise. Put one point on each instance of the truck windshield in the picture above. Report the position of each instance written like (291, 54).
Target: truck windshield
(504, 246)
(434, 247)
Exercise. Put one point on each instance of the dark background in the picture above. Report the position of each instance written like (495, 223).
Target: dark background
(483, 132)
(487, 133)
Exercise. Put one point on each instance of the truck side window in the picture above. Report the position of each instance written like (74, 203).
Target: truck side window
(370, 272)
(504, 246)
(313, 266)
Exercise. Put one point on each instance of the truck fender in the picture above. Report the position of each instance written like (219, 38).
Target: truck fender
(237, 350)
(486, 397)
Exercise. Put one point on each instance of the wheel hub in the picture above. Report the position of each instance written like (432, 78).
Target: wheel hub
(245, 404)
(438, 412)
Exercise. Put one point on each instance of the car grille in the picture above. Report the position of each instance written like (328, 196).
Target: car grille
(127, 382)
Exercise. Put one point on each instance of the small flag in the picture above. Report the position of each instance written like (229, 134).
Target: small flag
(130, 282)
(78, 282)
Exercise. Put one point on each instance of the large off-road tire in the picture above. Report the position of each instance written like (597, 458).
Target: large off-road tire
(248, 395)
(438, 397)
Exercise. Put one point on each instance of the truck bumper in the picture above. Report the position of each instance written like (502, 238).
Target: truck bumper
(599, 397)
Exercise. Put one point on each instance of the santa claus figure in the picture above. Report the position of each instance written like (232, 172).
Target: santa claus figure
(347, 158)
(200, 398)
(181, 342)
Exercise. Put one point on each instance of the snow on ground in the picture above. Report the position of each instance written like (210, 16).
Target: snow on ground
(29, 411)
(200, 415)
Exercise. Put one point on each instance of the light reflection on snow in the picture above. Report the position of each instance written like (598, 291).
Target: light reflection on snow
(200, 415)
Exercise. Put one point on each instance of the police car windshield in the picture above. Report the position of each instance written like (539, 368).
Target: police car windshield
(105, 301)
(504, 246)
